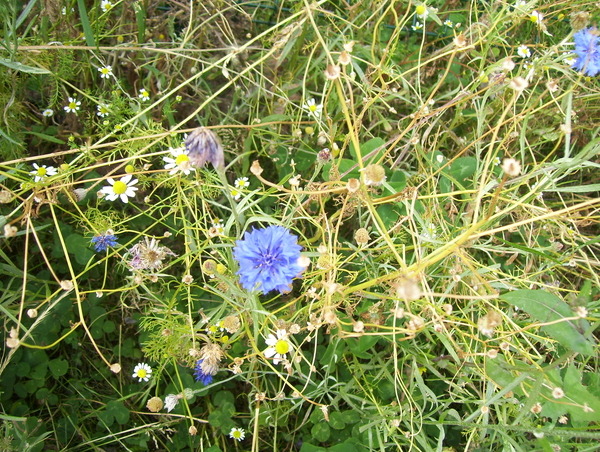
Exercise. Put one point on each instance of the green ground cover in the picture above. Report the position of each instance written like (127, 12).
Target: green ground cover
(299, 226)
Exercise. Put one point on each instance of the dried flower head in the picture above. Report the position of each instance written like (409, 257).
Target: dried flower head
(374, 174)
(353, 185)
(558, 393)
(511, 167)
(5, 196)
(332, 72)
(155, 404)
(115, 368)
(66, 284)
(407, 289)
(460, 41)
(203, 146)
(488, 323)
(519, 84)
(148, 255)
(10, 230)
(344, 58)
(361, 236)
(579, 20)
(32, 313)
(231, 323)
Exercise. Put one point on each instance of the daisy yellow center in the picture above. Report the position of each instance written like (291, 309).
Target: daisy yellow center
(145, 93)
(534, 18)
(105, 70)
(312, 108)
(72, 105)
(41, 171)
(421, 10)
(119, 188)
(108, 5)
(237, 434)
(142, 372)
(182, 158)
(282, 347)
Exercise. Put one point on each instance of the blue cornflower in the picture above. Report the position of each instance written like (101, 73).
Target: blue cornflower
(268, 259)
(587, 49)
(201, 375)
(103, 241)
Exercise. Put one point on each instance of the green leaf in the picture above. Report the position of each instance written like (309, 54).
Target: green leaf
(587, 408)
(223, 397)
(115, 410)
(336, 421)
(307, 447)
(58, 367)
(545, 307)
(85, 23)
(350, 416)
(47, 137)
(463, 169)
(321, 431)
(343, 447)
(23, 68)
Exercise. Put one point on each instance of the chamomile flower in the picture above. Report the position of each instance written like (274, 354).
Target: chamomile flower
(142, 371)
(236, 194)
(422, 11)
(520, 4)
(48, 112)
(72, 106)
(180, 161)
(313, 109)
(102, 110)
(124, 188)
(417, 26)
(279, 346)
(448, 23)
(144, 94)
(536, 17)
(237, 433)
(105, 72)
(241, 183)
(523, 51)
(106, 5)
(218, 227)
(41, 172)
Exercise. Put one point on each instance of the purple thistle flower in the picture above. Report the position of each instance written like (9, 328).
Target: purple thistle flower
(587, 49)
(268, 259)
(200, 375)
(103, 241)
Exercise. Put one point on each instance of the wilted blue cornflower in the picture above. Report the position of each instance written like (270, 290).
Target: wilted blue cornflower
(268, 259)
(201, 375)
(103, 241)
(203, 146)
(587, 49)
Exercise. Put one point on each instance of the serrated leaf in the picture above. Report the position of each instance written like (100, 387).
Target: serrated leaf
(545, 307)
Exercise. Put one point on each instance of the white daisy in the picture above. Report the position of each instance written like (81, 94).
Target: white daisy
(179, 162)
(524, 52)
(48, 112)
(42, 172)
(313, 109)
(279, 346)
(142, 371)
(105, 72)
(102, 110)
(237, 433)
(73, 105)
(144, 94)
(106, 5)
(123, 188)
